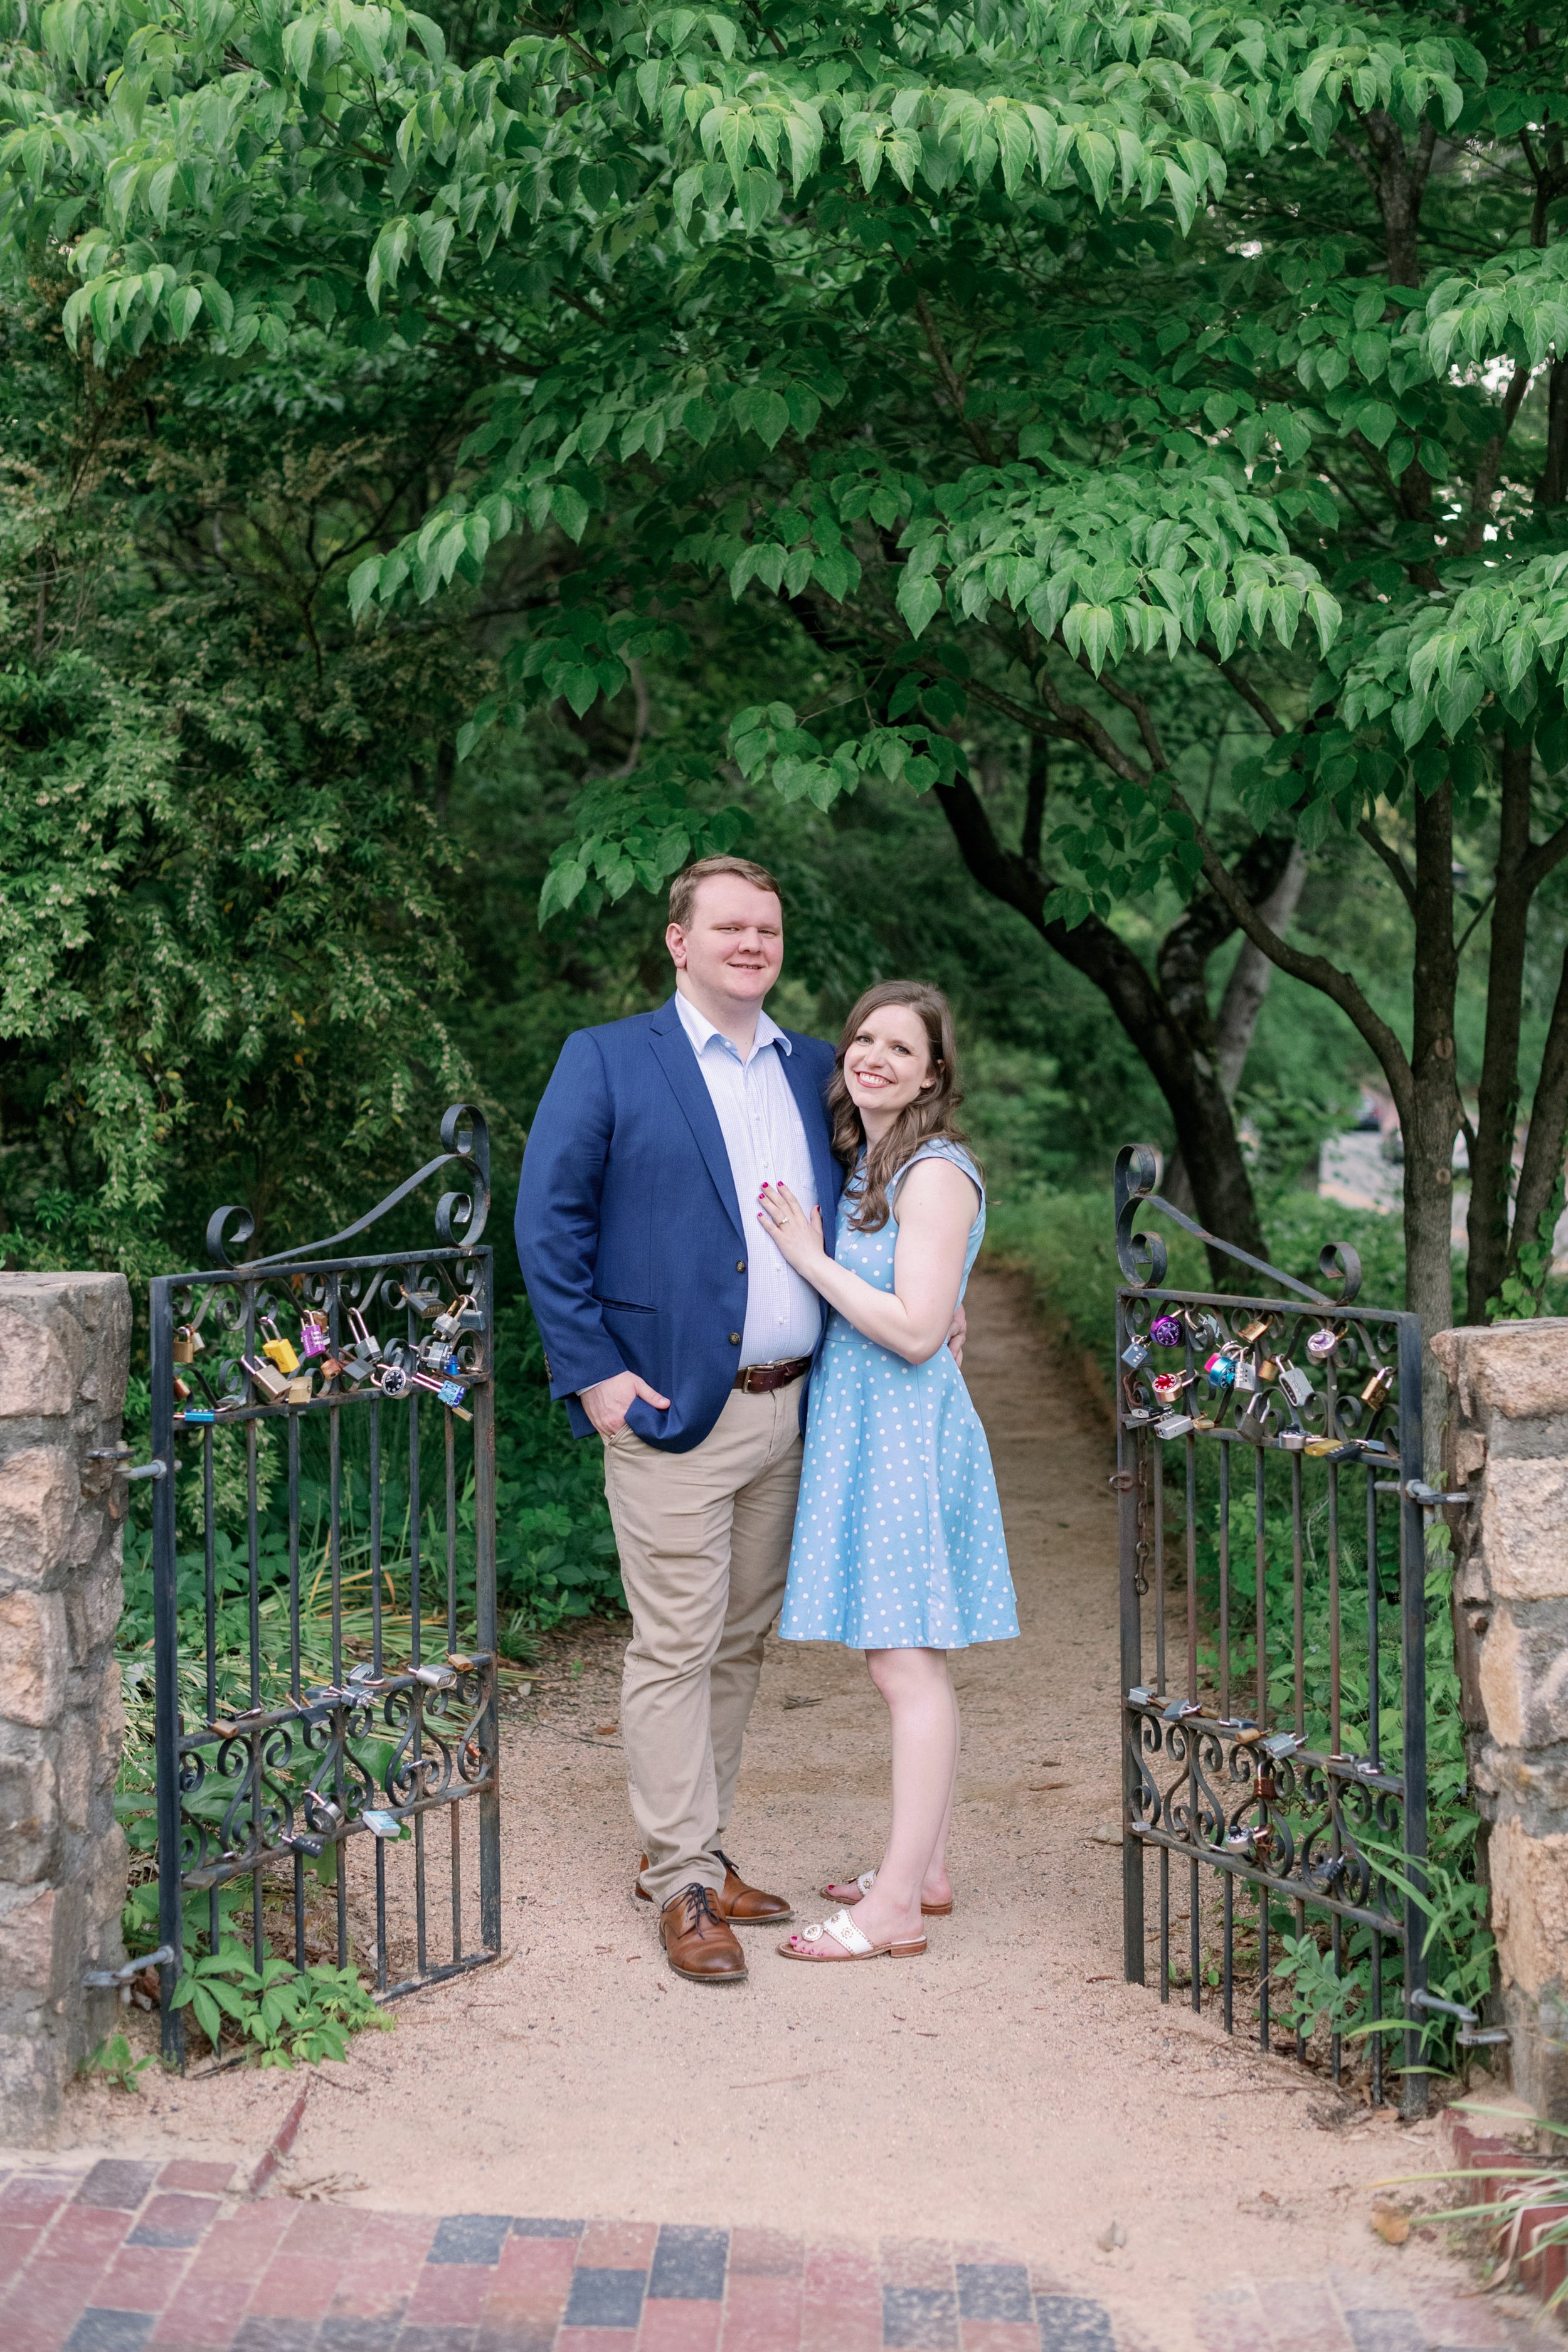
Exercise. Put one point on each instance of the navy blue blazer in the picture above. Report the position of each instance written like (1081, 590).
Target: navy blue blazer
(633, 1244)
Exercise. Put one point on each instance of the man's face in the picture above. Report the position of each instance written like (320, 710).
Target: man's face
(734, 945)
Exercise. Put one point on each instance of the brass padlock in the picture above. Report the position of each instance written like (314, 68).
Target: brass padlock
(277, 1349)
(188, 1339)
(301, 1390)
(1376, 1391)
(265, 1379)
(1252, 1332)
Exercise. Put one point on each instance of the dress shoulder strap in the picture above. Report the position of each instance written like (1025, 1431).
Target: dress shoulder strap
(939, 1148)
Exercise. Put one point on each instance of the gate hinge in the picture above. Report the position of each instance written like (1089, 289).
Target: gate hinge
(109, 1980)
(118, 1454)
(1123, 1481)
(1430, 1497)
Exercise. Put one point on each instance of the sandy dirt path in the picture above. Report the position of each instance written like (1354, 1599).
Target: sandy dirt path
(1008, 2087)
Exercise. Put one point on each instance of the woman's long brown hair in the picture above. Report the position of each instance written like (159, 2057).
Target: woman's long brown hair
(928, 1117)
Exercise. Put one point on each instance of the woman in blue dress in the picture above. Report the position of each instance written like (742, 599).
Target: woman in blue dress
(898, 1547)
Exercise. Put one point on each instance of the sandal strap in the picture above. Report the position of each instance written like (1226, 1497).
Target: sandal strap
(843, 1930)
(866, 1879)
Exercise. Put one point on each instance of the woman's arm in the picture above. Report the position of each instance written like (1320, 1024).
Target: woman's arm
(936, 1209)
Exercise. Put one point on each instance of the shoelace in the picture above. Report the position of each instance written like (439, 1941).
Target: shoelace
(720, 1855)
(698, 1902)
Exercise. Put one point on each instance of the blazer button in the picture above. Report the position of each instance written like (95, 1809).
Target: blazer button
(735, 1338)
(740, 1265)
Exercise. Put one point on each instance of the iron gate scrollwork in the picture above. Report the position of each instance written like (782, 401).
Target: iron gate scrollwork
(1286, 1428)
(321, 1701)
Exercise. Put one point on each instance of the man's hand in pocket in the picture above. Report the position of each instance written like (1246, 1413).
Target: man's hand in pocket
(606, 1404)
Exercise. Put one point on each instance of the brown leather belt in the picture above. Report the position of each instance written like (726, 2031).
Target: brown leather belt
(758, 1378)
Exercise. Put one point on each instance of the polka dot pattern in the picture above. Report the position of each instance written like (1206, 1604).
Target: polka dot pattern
(897, 1538)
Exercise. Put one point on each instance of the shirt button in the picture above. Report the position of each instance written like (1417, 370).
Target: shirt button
(735, 1338)
(740, 1265)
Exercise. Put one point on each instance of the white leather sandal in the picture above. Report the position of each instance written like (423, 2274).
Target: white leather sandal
(856, 1947)
(866, 1879)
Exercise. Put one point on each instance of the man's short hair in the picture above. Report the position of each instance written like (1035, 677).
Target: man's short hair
(683, 889)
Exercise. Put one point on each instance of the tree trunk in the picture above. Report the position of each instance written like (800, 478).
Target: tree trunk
(1433, 1119)
(1542, 1171)
(1185, 1074)
(1251, 974)
(1497, 1111)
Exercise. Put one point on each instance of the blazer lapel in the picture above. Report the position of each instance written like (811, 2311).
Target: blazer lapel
(678, 1062)
(814, 1118)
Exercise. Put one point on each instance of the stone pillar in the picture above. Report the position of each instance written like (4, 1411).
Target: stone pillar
(1508, 1437)
(64, 1352)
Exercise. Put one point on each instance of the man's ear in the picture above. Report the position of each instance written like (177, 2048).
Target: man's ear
(675, 940)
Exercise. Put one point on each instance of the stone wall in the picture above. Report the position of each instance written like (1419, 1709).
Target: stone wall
(1506, 1439)
(64, 1352)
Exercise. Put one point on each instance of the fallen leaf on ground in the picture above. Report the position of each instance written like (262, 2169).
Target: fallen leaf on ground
(1106, 1837)
(1109, 2240)
(1391, 2222)
(794, 1700)
(1037, 1787)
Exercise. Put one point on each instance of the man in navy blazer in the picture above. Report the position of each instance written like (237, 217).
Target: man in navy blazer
(673, 1328)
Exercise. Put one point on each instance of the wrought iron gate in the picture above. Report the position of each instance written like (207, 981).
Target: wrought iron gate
(1274, 1712)
(293, 1752)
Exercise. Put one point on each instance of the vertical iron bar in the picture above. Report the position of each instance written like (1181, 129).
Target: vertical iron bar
(209, 1527)
(253, 1741)
(451, 1533)
(414, 1651)
(1374, 1663)
(1157, 1466)
(1297, 1624)
(380, 1916)
(166, 1666)
(1164, 1923)
(455, 1814)
(1336, 1739)
(1191, 1443)
(1224, 1585)
(1194, 1927)
(375, 1533)
(1132, 1464)
(1228, 1962)
(1298, 1637)
(484, 1410)
(338, 1719)
(1261, 1592)
(1264, 1964)
(294, 1667)
(1413, 1632)
(1337, 1935)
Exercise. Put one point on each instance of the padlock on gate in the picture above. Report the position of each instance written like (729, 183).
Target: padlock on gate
(1376, 1391)
(1136, 1352)
(264, 1378)
(313, 1335)
(188, 1341)
(277, 1349)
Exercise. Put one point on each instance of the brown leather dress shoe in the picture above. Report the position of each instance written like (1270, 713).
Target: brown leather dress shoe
(747, 1906)
(697, 1943)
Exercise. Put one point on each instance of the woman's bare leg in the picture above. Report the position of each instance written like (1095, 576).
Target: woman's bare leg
(924, 1712)
(936, 1887)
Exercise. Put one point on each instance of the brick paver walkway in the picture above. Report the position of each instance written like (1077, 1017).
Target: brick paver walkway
(138, 2257)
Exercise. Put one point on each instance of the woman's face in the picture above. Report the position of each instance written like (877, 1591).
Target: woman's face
(888, 1064)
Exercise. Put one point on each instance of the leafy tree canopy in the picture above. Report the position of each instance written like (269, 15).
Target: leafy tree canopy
(1101, 376)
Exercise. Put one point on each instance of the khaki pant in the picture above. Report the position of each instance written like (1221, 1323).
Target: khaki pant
(704, 1542)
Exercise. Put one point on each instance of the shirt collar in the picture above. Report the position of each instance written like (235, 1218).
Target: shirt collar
(702, 1032)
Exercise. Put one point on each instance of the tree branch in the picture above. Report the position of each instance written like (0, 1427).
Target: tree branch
(1484, 488)
(1340, 987)
(1391, 858)
(957, 398)
(1248, 693)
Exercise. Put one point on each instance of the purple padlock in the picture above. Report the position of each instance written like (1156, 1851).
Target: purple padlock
(1166, 1331)
(312, 1334)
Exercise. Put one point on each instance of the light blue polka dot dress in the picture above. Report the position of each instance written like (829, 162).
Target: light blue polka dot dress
(898, 1537)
